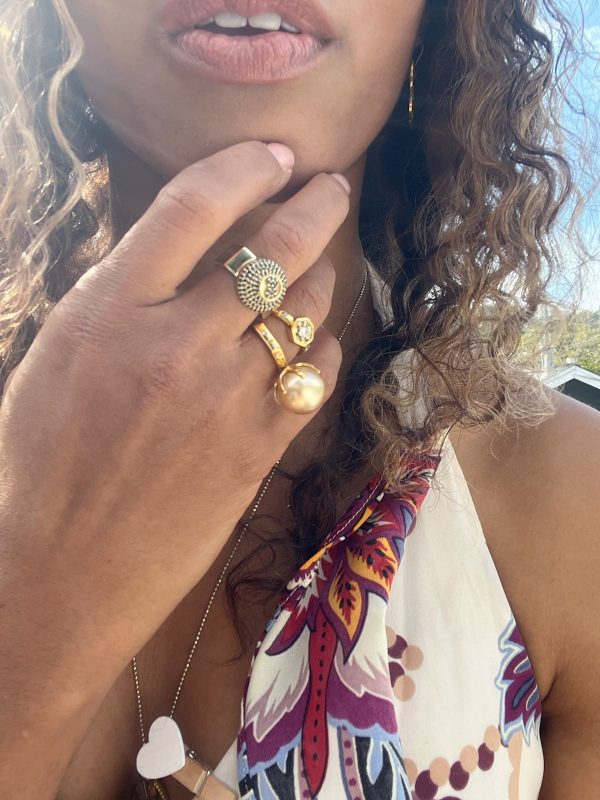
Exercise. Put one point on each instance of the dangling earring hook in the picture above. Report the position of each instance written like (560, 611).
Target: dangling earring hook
(411, 94)
(417, 54)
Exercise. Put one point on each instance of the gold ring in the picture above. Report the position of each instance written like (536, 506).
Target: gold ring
(261, 282)
(299, 387)
(302, 329)
(274, 347)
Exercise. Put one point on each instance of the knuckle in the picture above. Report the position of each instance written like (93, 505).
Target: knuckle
(313, 297)
(185, 205)
(84, 320)
(287, 236)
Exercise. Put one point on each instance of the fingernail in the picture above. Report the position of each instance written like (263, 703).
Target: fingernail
(283, 154)
(342, 180)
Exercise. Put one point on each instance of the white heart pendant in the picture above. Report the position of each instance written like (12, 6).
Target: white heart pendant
(165, 752)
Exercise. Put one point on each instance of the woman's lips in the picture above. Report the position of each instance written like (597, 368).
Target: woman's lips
(259, 58)
(177, 16)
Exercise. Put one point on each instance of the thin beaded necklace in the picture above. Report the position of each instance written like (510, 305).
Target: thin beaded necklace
(159, 790)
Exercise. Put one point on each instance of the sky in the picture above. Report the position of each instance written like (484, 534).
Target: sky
(585, 14)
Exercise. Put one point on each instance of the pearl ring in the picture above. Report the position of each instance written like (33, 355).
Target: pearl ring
(299, 387)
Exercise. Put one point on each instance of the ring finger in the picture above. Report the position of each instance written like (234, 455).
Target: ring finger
(309, 298)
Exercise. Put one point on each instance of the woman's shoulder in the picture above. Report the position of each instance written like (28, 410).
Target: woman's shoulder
(542, 471)
(536, 492)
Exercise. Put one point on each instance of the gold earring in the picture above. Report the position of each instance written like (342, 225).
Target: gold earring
(411, 94)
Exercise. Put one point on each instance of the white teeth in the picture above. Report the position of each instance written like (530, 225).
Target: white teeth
(230, 20)
(267, 21)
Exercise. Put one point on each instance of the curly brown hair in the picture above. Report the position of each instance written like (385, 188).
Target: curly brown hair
(457, 215)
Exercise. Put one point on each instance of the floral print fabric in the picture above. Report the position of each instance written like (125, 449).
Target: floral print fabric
(393, 666)
(318, 713)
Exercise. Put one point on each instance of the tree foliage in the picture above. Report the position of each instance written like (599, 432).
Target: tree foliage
(567, 337)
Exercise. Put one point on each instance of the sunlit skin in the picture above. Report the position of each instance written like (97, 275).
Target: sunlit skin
(163, 118)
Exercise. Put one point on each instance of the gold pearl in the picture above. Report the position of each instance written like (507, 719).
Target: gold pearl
(300, 388)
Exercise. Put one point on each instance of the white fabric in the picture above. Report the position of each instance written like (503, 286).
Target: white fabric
(447, 600)
(448, 604)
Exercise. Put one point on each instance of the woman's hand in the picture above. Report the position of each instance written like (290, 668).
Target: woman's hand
(137, 429)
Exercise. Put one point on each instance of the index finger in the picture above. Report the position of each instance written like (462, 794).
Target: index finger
(191, 212)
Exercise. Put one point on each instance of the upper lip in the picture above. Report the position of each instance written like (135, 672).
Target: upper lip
(307, 15)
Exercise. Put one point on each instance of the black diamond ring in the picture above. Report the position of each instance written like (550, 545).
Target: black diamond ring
(261, 282)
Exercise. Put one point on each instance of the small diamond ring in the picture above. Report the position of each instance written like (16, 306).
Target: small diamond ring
(302, 329)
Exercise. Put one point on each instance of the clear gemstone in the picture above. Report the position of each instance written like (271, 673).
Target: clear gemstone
(303, 331)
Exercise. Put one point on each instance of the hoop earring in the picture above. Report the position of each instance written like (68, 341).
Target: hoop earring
(411, 94)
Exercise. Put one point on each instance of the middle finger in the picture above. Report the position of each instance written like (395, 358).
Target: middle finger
(295, 235)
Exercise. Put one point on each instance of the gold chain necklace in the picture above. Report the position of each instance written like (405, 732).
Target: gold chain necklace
(164, 735)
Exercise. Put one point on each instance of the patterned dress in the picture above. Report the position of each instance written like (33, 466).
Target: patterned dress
(393, 667)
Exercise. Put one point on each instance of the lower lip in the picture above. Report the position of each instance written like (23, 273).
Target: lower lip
(261, 58)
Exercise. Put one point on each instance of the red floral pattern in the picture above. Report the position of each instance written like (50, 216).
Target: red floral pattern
(321, 669)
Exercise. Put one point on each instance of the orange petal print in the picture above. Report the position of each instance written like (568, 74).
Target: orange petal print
(374, 560)
(345, 600)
